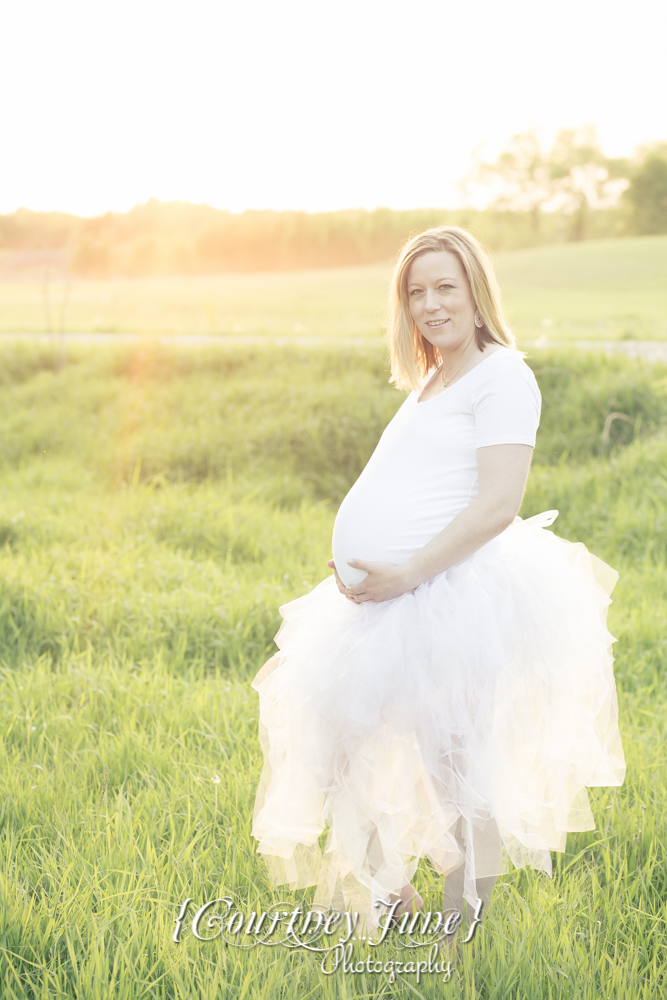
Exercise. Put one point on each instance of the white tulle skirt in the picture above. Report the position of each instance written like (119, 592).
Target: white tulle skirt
(481, 703)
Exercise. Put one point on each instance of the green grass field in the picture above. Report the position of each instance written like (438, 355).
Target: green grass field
(156, 507)
(604, 289)
(339, 302)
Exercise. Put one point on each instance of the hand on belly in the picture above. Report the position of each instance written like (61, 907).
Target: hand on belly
(349, 575)
(381, 581)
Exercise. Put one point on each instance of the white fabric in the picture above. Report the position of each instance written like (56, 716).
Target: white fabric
(461, 721)
(423, 471)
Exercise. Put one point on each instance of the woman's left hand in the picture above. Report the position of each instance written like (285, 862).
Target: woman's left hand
(384, 581)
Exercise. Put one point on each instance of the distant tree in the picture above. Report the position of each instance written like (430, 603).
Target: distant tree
(519, 180)
(646, 195)
(583, 178)
(574, 176)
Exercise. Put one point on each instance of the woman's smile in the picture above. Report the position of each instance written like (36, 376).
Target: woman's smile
(436, 281)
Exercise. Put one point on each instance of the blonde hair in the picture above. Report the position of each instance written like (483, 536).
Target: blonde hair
(410, 354)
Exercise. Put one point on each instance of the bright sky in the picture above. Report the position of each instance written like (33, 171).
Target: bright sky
(304, 104)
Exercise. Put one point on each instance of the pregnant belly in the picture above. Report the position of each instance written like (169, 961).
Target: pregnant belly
(388, 517)
(383, 532)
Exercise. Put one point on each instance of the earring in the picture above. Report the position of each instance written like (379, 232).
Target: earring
(479, 322)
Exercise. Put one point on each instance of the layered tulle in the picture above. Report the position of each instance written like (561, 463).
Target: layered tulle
(483, 701)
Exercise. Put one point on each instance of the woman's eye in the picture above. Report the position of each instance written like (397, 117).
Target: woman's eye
(445, 288)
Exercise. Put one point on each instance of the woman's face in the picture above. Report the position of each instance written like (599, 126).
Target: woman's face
(440, 300)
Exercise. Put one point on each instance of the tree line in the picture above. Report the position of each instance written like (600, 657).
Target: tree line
(532, 196)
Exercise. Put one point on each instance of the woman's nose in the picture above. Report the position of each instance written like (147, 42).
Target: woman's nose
(431, 302)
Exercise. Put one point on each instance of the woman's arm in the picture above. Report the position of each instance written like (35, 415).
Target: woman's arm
(502, 470)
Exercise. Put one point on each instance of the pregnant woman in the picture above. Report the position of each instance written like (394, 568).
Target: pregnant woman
(448, 692)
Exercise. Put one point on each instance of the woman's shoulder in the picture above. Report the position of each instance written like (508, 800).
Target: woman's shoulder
(505, 364)
(506, 401)
(501, 351)
(505, 383)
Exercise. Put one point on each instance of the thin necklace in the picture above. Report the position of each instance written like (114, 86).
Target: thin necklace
(445, 384)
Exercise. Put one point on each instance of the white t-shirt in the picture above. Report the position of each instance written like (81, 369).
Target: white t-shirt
(423, 471)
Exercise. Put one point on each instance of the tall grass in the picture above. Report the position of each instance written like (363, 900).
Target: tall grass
(156, 508)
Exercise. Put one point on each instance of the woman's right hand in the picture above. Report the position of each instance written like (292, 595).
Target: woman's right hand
(341, 586)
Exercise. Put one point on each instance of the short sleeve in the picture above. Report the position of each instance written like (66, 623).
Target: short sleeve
(506, 403)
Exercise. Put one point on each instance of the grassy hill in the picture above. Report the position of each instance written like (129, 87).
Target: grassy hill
(600, 289)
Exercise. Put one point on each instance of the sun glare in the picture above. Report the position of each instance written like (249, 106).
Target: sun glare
(301, 105)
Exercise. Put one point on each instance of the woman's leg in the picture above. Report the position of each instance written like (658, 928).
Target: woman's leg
(409, 897)
(453, 898)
